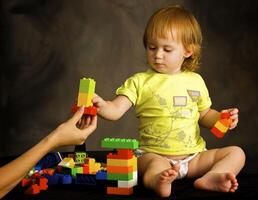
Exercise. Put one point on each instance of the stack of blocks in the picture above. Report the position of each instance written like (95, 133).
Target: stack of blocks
(222, 125)
(122, 165)
(85, 95)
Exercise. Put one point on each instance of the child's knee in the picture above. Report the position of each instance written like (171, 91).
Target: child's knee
(239, 152)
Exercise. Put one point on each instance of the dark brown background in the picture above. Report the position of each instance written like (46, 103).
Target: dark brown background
(48, 45)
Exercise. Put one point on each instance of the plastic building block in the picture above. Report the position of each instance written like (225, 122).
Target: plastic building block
(67, 162)
(50, 160)
(101, 175)
(85, 179)
(123, 162)
(86, 169)
(118, 143)
(121, 154)
(26, 182)
(48, 171)
(80, 157)
(119, 169)
(65, 179)
(33, 189)
(123, 177)
(91, 110)
(87, 85)
(43, 183)
(217, 132)
(52, 180)
(119, 191)
(129, 183)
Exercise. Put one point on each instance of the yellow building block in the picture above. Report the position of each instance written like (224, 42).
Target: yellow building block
(123, 162)
(67, 162)
(91, 163)
(97, 167)
(85, 99)
(221, 127)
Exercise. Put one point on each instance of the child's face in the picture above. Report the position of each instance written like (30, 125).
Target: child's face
(166, 55)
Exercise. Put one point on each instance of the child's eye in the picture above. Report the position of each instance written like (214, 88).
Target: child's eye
(151, 47)
(167, 50)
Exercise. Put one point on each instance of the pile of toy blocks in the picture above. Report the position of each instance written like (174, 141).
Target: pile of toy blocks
(119, 173)
(121, 165)
(77, 168)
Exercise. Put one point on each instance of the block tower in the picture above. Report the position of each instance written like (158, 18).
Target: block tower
(222, 125)
(121, 165)
(86, 93)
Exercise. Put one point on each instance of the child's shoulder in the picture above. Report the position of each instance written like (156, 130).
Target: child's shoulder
(193, 75)
(142, 74)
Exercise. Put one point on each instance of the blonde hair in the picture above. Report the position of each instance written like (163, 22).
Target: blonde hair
(165, 22)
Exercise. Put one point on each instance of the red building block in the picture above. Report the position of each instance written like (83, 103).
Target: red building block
(43, 183)
(217, 132)
(92, 110)
(33, 189)
(121, 154)
(25, 182)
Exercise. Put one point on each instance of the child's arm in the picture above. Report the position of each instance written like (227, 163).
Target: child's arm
(112, 110)
(67, 133)
(210, 116)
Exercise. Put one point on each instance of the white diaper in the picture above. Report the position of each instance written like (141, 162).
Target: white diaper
(183, 164)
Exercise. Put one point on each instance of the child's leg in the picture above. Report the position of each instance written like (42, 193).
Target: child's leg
(218, 168)
(157, 173)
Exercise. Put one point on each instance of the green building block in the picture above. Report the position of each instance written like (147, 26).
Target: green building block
(87, 85)
(119, 143)
(120, 177)
(80, 157)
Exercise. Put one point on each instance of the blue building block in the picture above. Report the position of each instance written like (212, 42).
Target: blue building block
(85, 179)
(101, 175)
(52, 180)
(66, 179)
(50, 160)
(37, 167)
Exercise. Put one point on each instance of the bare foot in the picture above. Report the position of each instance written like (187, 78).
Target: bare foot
(164, 179)
(220, 182)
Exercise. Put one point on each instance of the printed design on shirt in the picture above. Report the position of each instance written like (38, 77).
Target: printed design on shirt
(194, 95)
(179, 100)
(155, 134)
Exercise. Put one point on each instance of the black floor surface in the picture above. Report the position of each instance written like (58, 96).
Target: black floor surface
(182, 190)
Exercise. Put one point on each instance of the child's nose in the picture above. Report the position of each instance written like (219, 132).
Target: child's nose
(158, 54)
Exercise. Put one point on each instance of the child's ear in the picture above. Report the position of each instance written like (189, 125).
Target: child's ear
(188, 51)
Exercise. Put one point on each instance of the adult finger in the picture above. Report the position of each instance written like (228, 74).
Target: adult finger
(78, 115)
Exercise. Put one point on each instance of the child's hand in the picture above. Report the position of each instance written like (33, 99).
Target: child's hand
(74, 131)
(98, 102)
(233, 115)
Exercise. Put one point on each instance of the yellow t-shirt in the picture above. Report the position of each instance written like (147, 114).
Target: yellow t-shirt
(168, 107)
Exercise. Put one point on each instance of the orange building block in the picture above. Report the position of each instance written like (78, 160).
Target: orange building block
(119, 169)
(119, 191)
